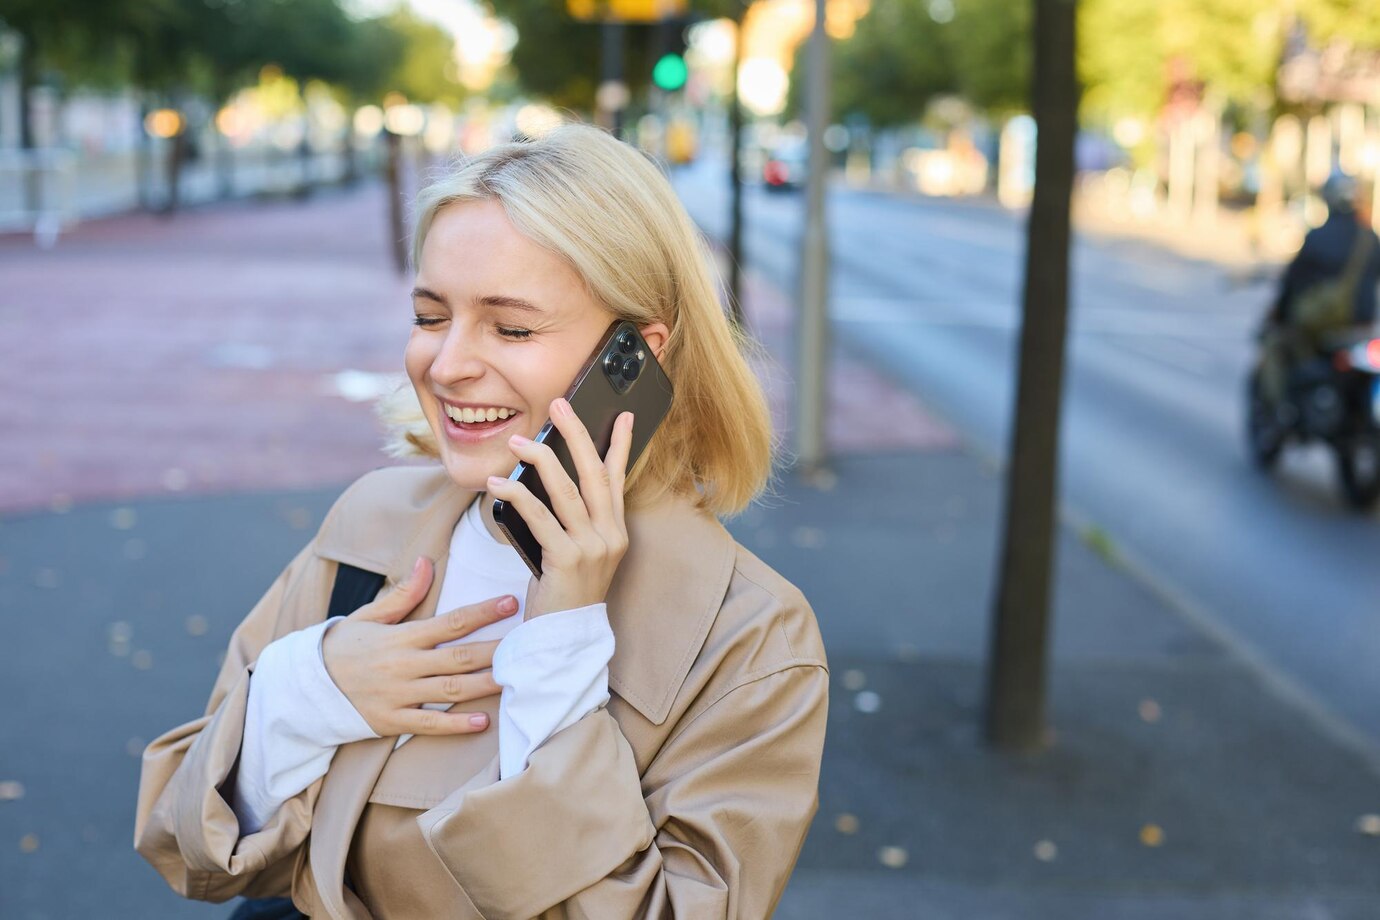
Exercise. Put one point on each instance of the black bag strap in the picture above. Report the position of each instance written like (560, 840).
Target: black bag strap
(354, 587)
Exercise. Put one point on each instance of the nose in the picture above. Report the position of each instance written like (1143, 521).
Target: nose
(458, 358)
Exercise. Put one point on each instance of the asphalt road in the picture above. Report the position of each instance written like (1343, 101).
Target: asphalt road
(1152, 447)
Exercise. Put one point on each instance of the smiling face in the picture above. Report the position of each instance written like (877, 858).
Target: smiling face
(503, 326)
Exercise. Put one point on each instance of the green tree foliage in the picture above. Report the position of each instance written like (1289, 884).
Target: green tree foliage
(216, 46)
(990, 42)
(555, 57)
(559, 58)
(1356, 22)
(426, 70)
(898, 59)
(1131, 54)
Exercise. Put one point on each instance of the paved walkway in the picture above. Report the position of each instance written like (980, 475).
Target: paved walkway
(1179, 784)
(238, 348)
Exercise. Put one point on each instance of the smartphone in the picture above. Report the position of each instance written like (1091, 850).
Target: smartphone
(621, 375)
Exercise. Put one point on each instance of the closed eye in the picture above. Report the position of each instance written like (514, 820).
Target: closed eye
(514, 333)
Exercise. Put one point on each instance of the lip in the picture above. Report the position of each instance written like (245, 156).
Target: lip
(460, 435)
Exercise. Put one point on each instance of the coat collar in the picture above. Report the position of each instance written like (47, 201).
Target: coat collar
(661, 604)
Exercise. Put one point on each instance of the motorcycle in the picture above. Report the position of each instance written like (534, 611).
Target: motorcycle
(1334, 397)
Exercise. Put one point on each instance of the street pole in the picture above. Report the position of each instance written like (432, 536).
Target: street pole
(735, 178)
(612, 96)
(392, 171)
(813, 323)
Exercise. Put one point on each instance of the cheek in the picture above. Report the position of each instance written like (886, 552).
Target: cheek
(417, 357)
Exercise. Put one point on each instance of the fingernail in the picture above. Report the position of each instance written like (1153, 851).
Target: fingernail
(496, 481)
(518, 439)
(562, 406)
(479, 720)
(507, 605)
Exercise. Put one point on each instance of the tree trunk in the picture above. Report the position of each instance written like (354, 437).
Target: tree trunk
(1015, 717)
(28, 80)
(143, 158)
(304, 153)
(225, 153)
(350, 178)
(735, 180)
(176, 154)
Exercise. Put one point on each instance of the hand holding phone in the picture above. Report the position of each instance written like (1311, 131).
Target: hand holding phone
(562, 506)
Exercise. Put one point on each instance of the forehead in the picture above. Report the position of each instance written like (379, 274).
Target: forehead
(472, 250)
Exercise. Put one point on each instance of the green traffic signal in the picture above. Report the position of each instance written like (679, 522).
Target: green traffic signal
(670, 72)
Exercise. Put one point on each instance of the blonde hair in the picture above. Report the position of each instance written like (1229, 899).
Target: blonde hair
(609, 212)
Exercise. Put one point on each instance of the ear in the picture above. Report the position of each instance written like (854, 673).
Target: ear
(655, 335)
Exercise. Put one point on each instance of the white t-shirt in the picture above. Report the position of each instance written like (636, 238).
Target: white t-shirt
(553, 671)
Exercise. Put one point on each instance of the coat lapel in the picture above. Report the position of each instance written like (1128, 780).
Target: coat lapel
(663, 601)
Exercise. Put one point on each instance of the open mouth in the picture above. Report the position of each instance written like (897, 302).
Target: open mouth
(477, 420)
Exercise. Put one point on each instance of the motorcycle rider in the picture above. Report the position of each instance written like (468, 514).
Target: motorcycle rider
(1343, 248)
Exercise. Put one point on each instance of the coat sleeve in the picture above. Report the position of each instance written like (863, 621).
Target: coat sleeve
(183, 825)
(711, 830)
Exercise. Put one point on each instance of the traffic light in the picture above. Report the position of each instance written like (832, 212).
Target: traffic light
(670, 72)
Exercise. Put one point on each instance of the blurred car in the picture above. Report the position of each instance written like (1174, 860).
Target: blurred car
(786, 166)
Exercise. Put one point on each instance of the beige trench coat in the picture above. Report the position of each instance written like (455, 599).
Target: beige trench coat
(688, 796)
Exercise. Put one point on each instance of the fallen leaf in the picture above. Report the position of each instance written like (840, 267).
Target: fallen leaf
(892, 857)
(867, 702)
(853, 679)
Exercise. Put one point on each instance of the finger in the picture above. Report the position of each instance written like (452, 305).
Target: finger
(436, 722)
(539, 519)
(454, 688)
(461, 658)
(616, 462)
(594, 476)
(460, 622)
(565, 494)
(394, 606)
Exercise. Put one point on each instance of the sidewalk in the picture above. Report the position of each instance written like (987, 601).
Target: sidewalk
(1179, 785)
(1228, 239)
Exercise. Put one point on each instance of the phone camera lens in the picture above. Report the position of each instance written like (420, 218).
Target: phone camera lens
(626, 341)
(613, 364)
(631, 368)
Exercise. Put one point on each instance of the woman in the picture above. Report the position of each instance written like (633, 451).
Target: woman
(659, 693)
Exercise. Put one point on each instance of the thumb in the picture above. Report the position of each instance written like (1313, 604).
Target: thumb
(394, 606)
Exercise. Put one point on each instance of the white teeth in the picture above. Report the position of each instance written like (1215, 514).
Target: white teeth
(467, 414)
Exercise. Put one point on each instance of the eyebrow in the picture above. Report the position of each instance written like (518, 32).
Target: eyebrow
(488, 300)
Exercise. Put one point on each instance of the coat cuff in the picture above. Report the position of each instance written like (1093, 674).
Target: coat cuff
(205, 828)
(554, 671)
(579, 802)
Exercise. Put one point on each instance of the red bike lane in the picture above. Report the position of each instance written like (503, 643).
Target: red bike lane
(236, 348)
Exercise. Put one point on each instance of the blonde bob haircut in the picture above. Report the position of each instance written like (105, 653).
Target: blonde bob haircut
(611, 215)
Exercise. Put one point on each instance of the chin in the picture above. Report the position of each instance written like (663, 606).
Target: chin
(472, 473)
